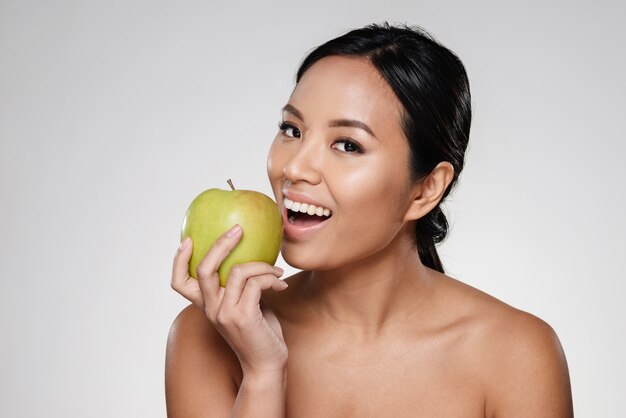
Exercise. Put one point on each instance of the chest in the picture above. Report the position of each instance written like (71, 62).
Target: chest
(403, 380)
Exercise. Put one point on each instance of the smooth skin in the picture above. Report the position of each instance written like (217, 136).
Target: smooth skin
(365, 330)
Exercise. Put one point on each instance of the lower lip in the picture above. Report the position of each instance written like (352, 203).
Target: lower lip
(299, 232)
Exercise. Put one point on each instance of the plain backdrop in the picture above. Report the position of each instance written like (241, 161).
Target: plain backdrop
(114, 115)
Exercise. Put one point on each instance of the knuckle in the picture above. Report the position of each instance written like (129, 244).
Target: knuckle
(236, 270)
(255, 282)
(175, 284)
(211, 314)
(202, 270)
(222, 318)
(245, 322)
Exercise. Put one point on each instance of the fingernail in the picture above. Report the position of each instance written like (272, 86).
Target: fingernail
(280, 270)
(284, 284)
(183, 244)
(233, 231)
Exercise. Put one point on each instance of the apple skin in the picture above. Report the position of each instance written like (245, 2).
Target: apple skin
(215, 211)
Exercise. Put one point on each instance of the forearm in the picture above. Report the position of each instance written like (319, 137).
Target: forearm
(261, 396)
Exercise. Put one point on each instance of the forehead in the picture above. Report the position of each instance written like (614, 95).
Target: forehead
(347, 87)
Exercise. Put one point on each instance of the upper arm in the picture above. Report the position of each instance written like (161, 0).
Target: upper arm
(200, 368)
(528, 372)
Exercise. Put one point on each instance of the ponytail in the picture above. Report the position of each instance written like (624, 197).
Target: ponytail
(430, 231)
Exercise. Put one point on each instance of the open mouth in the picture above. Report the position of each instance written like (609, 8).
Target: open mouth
(304, 219)
(304, 214)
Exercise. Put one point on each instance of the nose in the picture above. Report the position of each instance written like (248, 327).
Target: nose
(305, 163)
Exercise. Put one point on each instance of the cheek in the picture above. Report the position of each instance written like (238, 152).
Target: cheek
(375, 193)
(377, 201)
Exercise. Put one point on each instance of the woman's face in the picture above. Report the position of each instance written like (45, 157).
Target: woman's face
(340, 147)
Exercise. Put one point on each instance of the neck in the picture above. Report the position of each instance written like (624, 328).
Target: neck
(373, 292)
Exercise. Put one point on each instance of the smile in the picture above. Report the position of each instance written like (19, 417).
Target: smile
(301, 220)
(309, 209)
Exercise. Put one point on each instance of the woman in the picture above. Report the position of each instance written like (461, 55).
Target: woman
(371, 142)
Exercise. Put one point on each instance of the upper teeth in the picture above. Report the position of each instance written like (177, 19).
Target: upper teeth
(306, 208)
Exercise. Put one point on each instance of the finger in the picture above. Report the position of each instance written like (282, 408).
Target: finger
(208, 278)
(238, 276)
(181, 281)
(251, 294)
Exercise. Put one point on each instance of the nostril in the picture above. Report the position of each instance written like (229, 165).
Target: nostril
(302, 167)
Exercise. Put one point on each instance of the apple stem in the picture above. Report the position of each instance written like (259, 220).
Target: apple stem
(230, 183)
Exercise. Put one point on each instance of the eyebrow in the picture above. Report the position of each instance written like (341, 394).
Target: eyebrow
(351, 123)
(291, 109)
(348, 123)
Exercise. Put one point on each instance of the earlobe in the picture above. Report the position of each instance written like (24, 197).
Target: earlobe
(427, 193)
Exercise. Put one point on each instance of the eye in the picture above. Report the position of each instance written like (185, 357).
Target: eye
(348, 146)
(289, 130)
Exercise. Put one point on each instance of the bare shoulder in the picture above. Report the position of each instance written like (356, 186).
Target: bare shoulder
(519, 356)
(528, 371)
(201, 370)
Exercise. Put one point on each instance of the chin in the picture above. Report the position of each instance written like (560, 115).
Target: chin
(302, 260)
(295, 260)
(316, 260)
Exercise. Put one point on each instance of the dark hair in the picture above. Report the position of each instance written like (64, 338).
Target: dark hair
(431, 83)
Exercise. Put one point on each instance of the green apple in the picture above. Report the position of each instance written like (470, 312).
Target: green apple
(215, 211)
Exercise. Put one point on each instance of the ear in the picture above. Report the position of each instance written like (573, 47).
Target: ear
(428, 192)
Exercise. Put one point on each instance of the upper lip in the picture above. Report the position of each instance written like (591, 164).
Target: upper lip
(302, 198)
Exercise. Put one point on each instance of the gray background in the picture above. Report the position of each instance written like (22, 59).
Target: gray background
(114, 115)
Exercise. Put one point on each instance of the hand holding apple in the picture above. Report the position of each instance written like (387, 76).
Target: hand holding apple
(215, 211)
(250, 328)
